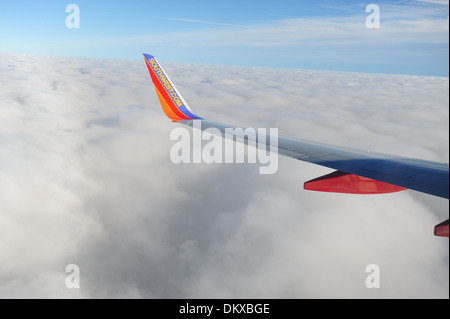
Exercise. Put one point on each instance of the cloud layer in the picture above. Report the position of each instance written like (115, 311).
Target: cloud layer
(86, 179)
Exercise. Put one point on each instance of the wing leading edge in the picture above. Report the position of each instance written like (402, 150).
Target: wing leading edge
(357, 172)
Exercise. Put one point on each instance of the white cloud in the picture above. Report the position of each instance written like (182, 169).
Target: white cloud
(86, 179)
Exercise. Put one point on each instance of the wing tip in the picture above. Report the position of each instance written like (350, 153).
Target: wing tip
(172, 103)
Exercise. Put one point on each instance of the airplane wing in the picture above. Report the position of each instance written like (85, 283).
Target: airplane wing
(357, 172)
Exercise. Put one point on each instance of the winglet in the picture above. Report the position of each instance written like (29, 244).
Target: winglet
(173, 104)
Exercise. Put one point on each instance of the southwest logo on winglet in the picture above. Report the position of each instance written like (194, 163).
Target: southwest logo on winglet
(164, 81)
(171, 100)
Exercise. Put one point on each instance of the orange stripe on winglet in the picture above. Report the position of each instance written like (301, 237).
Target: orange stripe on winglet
(167, 110)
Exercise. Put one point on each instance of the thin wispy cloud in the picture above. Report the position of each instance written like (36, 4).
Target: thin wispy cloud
(412, 39)
(399, 24)
(201, 21)
(441, 2)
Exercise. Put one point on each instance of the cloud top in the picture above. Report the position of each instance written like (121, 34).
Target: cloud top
(86, 179)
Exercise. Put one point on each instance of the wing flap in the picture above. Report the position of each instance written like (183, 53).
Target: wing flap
(341, 182)
(442, 229)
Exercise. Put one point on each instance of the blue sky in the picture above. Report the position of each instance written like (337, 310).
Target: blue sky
(323, 34)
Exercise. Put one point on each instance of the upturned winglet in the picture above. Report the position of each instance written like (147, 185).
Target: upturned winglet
(173, 104)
